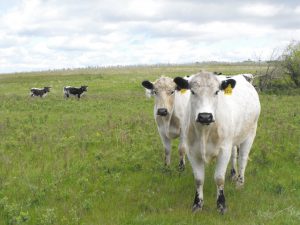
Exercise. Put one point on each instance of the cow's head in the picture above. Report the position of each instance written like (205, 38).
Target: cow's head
(205, 88)
(47, 89)
(84, 88)
(163, 90)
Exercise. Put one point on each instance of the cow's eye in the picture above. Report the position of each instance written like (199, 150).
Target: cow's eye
(192, 92)
(217, 92)
(172, 92)
(154, 92)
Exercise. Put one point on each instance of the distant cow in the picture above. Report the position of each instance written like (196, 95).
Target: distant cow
(220, 114)
(169, 109)
(74, 91)
(41, 92)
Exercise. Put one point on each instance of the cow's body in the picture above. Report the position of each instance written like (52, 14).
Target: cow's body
(169, 111)
(39, 92)
(216, 122)
(74, 91)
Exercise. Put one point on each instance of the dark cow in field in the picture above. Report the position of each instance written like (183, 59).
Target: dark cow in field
(74, 91)
(41, 92)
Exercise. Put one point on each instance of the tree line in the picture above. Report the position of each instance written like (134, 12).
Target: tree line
(283, 67)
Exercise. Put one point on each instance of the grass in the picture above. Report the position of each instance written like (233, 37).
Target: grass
(100, 160)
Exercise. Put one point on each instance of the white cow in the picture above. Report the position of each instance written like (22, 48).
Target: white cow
(220, 114)
(170, 106)
(235, 149)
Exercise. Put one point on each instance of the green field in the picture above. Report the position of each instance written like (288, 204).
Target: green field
(99, 160)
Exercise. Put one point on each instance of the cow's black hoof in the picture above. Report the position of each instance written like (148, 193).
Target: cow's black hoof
(181, 165)
(197, 207)
(221, 202)
(222, 209)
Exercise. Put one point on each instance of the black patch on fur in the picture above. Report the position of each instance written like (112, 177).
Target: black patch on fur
(221, 202)
(181, 83)
(181, 165)
(39, 92)
(75, 91)
(198, 203)
(232, 172)
(225, 84)
(147, 84)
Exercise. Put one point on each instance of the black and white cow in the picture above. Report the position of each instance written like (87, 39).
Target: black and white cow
(41, 92)
(75, 91)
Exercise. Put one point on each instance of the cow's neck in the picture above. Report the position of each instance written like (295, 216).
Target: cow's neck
(203, 136)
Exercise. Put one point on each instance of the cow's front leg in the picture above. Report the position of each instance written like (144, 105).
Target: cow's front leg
(199, 173)
(167, 145)
(222, 162)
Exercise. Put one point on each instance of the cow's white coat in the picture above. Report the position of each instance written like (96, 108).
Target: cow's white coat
(169, 127)
(235, 124)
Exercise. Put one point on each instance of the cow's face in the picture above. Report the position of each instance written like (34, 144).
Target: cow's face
(47, 89)
(163, 90)
(84, 88)
(204, 89)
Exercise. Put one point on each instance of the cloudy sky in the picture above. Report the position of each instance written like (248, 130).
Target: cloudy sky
(52, 34)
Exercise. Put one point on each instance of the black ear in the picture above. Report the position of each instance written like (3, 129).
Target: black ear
(181, 83)
(147, 84)
(225, 84)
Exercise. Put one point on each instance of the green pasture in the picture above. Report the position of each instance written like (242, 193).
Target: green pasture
(99, 160)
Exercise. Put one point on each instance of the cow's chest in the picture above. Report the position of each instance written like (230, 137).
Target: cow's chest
(170, 128)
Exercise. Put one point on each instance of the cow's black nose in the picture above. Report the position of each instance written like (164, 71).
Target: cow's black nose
(205, 118)
(162, 112)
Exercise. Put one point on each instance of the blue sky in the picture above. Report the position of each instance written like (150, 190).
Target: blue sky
(53, 34)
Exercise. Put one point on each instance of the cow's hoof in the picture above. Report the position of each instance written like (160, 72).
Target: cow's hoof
(197, 207)
(239, 184)
(222, 209)
(181, 165)
(233, 175)
(221, 206)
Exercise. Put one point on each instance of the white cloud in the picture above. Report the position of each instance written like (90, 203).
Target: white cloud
(261, 10)
(38, 34)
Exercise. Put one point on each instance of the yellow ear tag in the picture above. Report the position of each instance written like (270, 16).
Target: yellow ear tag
(182, 91)
(228, 90)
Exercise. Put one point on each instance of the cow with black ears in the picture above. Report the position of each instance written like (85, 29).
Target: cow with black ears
(169, 109)
(41, 92)
(220, 114)
(74, 91)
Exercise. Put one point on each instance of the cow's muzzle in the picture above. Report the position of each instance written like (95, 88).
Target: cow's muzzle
(162, 112)
(205, 118)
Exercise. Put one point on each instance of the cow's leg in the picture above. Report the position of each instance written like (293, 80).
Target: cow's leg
(222, 162)
(234, 156)
(199, 173)
(167, 145)
(181, 150)
(243, 158)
